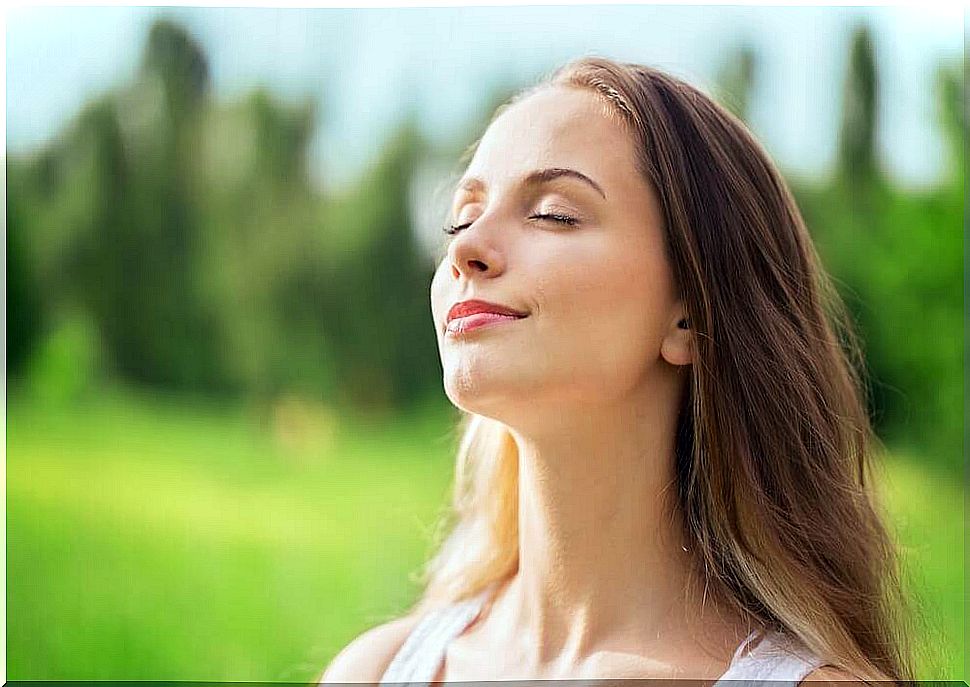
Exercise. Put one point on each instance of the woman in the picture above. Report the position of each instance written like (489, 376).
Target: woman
(665, 464)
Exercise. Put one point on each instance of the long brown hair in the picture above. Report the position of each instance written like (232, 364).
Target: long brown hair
(774, 449)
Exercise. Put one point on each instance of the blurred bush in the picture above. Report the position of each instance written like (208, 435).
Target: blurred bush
(66, 365)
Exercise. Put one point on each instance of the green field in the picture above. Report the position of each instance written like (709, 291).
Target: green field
(167, 540)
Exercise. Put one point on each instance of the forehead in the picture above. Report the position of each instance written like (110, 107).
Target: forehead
(555, 127)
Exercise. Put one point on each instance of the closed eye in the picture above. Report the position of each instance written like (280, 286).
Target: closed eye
(556, 217)
(449, 229)
(553, 216)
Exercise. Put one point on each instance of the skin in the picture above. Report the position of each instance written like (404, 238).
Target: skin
(588, 384)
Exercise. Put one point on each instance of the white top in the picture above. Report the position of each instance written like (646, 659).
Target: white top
(777, 657)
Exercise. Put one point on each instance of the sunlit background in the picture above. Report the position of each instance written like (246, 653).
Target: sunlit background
(227, 437)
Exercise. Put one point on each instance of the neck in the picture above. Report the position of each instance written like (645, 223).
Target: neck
(601, 547)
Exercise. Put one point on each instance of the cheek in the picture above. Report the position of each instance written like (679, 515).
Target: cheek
(438, 294)
(605, 286)
(605, 313)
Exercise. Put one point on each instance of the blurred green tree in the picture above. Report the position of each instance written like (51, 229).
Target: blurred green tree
(857, 137)
(384, 335)
(735, 81)
(266, 266)
(24, 310)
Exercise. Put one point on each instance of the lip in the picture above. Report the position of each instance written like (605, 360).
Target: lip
(477, 314)
(461, 325)
(475, 306)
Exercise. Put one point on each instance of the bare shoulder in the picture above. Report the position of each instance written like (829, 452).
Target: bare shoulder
(366, 658)
(837, 675)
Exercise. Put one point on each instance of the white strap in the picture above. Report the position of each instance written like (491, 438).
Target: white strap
(776, 657)
(419, 658)
(744, 643)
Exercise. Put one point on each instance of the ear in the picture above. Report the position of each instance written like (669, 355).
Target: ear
(677, 345)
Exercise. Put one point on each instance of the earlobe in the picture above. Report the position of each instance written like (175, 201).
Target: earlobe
(676, 347)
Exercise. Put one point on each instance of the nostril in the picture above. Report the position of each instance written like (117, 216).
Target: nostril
(474, 264)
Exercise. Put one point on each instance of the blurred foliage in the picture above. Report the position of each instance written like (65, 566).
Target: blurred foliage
(387, 350)
(24, 313)
(187, 234)
(64, 367)
(897, 256)
(736, 80)
(857, 142)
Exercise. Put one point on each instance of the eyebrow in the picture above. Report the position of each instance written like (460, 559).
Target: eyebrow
(536, 178)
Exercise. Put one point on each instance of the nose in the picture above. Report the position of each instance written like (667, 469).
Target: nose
(474, 253)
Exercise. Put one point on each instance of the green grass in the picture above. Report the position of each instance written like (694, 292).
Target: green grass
(147, 541)
(159, 539)
(927, 509)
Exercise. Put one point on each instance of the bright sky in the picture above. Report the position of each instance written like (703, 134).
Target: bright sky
(365, 66)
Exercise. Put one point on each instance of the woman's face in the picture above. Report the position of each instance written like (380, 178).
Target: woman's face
(601, 309)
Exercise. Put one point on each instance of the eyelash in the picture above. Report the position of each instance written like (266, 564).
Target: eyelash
(555, 216)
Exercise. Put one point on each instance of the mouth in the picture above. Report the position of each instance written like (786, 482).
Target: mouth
(465, 316)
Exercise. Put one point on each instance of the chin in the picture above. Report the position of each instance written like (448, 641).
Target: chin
(472, 397)
(489, 396)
